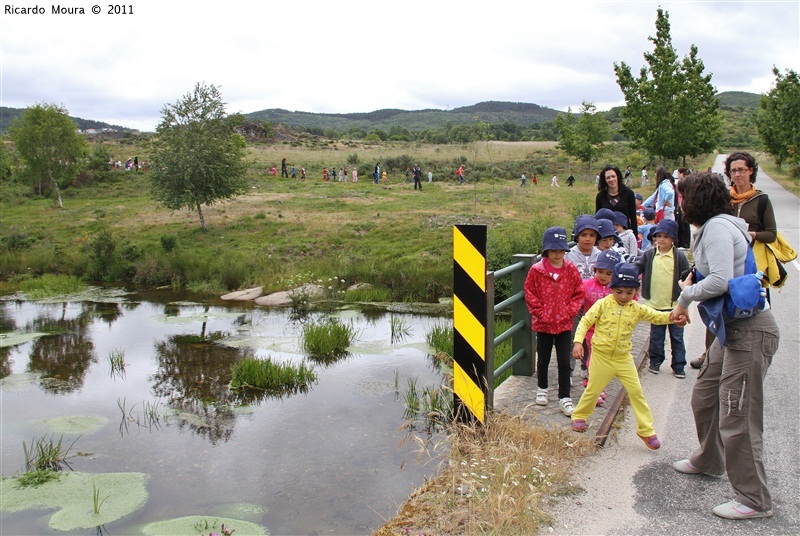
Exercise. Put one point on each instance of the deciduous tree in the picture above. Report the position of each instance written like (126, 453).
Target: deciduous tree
(778, 119)
(583, 137)
(49, 145)
(198, 157)
(670, 110)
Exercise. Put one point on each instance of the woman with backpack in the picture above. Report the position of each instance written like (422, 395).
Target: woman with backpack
(728, 396)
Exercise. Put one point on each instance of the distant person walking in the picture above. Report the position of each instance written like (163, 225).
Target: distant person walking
(430, 176)
(376, 173)
(628, 175)
(644, 176)
(554, 181)
(460, 174)
(284, 173)
(302, 172)
(355, 174)
(294, 172)
(571, 180)
(523, 180)
(417, 178)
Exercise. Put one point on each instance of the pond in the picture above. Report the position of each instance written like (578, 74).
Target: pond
(330, 460)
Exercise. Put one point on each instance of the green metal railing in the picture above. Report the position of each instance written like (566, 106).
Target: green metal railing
(523, 339)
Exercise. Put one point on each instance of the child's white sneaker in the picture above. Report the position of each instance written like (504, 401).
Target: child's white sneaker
(541, 397)
(566, 406)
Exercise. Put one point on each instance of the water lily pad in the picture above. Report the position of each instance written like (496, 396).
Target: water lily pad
(247, 511)
(75, 424)
(18, 337)
(72, 496)
(193, 525)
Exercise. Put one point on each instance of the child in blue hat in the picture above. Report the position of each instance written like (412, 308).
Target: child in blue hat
(661, 268)
(614, 319)
(554, 295)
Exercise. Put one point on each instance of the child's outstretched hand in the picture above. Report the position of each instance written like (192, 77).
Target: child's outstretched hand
(577, 350)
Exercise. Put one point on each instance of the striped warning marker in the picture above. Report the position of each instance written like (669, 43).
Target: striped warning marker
(469, 322)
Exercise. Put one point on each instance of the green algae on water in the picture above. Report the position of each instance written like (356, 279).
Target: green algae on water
(72, 496)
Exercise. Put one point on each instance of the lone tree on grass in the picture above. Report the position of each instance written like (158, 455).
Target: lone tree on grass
(50, 146)
(584, 137)
(671, 110)
(198, 158)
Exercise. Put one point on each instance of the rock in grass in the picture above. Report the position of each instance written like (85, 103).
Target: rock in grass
(243, 295)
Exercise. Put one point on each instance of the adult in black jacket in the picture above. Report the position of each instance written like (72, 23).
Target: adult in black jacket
(616, 196)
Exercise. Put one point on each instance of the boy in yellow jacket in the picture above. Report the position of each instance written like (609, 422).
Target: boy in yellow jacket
(614, 319)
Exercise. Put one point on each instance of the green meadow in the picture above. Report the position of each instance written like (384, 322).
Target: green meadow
(388, 235)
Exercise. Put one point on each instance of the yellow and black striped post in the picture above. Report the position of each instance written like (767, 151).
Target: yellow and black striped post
(469, 322)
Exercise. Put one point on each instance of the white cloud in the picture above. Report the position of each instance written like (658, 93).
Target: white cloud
(359, 56)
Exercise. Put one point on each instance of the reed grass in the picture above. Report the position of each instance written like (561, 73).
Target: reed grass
(399, 327)
(96, 501)
(51, 285)
(327, 340)
(116, 360)
(266, 375)
(46, 454)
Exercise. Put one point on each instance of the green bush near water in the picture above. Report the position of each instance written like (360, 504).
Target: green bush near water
(50, 285)
(266, 375)
(327, 340)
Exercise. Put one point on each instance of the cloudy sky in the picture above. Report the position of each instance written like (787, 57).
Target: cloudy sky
(342, 56)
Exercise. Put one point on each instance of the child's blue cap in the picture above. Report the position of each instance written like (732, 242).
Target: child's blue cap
(555, 239)
(604, 213)
(625, 275)
(620, 219)
(607, 260)
(583, 222)
(669, 228)
(606, 228)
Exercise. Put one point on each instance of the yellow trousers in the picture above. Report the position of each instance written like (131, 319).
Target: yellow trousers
(602, 370)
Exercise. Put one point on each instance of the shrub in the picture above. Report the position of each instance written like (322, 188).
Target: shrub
(168, 242)
(264, 374)
(327, 340)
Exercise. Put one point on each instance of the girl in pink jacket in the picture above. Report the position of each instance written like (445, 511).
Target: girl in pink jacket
(597, 288)
(554, 294)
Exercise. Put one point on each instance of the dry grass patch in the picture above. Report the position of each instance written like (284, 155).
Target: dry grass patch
(499, 479)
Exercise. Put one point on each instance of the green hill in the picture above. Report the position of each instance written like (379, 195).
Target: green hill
(7, 116)
(519, 113)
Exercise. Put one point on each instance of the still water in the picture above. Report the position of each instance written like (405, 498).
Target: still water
(327, 461)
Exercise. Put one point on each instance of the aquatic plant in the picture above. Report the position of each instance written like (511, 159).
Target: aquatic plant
(116, 359)
(440, 338)
(399, 328)
(96, 498)
(36, 477)
(50, 285)
(266, 375)
(149, 418)
(47, 454)
(327, 340)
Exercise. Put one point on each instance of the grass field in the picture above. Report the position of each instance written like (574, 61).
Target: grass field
(388, 234)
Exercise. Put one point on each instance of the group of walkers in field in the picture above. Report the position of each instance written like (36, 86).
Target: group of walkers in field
(630, 264)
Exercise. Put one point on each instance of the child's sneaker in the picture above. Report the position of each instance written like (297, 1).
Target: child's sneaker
(585, 382)
(579, 425)
(541, 397)
(566, 406)
(652, 442)
(603, 395)
(600, 401)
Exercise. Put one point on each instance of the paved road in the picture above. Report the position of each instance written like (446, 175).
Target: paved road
(630, 490)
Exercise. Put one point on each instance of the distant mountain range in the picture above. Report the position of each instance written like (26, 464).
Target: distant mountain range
(497, 112)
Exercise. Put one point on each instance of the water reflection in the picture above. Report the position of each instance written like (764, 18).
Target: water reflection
(62, 359)
(194, 377)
